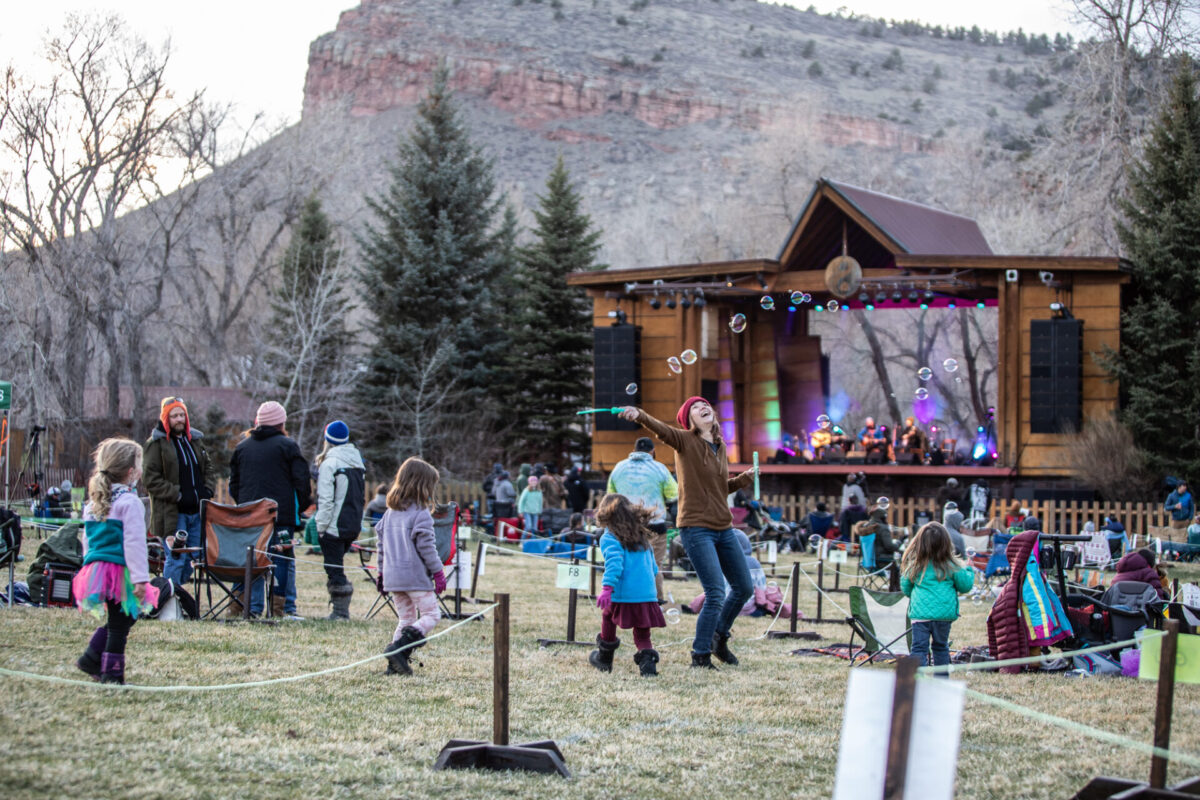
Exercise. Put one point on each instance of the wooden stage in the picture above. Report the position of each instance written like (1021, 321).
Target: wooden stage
(964, 472)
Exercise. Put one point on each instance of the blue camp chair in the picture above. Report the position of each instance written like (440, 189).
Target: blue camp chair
(869, 573)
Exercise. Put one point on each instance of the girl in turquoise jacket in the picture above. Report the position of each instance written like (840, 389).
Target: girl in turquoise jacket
(933, 578)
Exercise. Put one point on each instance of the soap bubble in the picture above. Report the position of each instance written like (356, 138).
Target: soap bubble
(957, 379)
(883, 503)
(674, 364)
(824, 418)
(806, 298)
(950, 365)
(767, 302)
(920, 394)
(631, 389)
(772, 584)
(977, 599)
(815, 541)
(797, 298)
(972, 552)
(737, 323)
(688, 357)
(924, 373)
(832, 305)
(672, 616)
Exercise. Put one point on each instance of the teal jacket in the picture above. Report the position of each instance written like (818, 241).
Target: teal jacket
(530, 502)
(934, 599)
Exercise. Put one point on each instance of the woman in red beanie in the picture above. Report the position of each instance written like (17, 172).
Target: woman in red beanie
(705, 523)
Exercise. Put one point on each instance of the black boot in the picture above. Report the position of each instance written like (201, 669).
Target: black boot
(397, 658)
(646, 661)
(720, 649)
(703, 660)
(602, 659)
(339, 598)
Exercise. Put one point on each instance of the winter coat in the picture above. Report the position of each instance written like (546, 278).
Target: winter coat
(407, 550)
(160, 476)
(269, 464)
(1186, 509)
(953, 520)
(530, 502)
(1008, 634)
(504, 491)
(852, 495)
(645, 482)
(552, 491)
(577, 491)
(934, 598)
(128, 512)
(885, 547)
(340, 480)
(630, 572)
(1133, 567)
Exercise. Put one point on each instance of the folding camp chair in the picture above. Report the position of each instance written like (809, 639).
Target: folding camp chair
(880, 619)
(870, 574)
(228, 531)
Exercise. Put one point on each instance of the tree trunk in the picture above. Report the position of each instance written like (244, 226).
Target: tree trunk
(879, 362)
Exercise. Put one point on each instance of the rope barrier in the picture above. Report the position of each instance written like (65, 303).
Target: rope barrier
(825, 594)
(1042, 659)
(12, 673)
(778, 611)
(1079, 727)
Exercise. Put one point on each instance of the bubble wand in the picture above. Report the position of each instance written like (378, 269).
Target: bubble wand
(613, 410)
(756, 475)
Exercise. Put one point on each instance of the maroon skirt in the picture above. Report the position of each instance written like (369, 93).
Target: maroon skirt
(638, 615)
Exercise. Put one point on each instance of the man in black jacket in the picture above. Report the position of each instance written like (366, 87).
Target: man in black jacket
(268, 464)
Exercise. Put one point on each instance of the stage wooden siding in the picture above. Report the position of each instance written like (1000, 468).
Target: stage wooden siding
(1089, 287)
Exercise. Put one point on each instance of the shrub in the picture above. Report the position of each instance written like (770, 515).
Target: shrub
(1038, 103)
(810, 49)
(929, 85)
(622, 19)
(626, 61)
(853, 67)
(1105, 457)
(894, 60)
(814, 70)
(917, 106)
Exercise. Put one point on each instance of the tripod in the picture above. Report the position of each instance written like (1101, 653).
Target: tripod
(31, 467)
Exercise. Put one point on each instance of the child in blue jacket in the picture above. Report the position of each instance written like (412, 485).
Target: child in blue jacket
(933, 578)
(629, 598)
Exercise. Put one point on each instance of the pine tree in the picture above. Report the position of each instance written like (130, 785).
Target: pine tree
(1159, 362)
(550, 358)
(430, 264)
(307, 338)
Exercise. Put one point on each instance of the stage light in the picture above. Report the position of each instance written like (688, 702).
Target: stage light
(761, 281)
(728, 282)
(863, 297)
(655, 303)
(870, 307)
(929, 294)
(981, 304)
(618, 317)
(952, 304)
(897, 296)
(791, 309)
(913, 296)
(630, 288)
(700, 302)
(924, 306)
(686, 300)
(670, 301)
(818, 307)
(880, 297)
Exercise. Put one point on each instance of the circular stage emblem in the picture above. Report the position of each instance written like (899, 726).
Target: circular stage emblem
(843, 276)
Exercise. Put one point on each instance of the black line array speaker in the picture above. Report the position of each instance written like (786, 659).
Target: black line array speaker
(617, 350)
(1055, 375)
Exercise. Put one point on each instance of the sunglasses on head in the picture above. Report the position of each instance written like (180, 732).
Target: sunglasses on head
(168, 400)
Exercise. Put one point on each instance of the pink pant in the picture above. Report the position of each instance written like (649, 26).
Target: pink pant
(418, 609)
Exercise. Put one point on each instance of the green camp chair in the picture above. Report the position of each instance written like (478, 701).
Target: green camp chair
(880, 619)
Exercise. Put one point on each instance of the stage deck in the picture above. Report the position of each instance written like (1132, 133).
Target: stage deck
(963, 471)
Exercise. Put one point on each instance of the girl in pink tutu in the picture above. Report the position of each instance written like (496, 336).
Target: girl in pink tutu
(115, 575)
(629, 598)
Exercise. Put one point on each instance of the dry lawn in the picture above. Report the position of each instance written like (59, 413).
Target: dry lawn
(768, 728)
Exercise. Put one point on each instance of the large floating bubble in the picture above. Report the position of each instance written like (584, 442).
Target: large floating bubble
(950, 365)
(767, 302)
(674, 365)
(883, 503)
(797, 298)
(924, 373)
(921, 394)
(688, 357)
(832, 305)
(672, 616)
(823, 419)
(737, 323)
(631, 389)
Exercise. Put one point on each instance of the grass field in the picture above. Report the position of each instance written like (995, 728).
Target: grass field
(768, 728)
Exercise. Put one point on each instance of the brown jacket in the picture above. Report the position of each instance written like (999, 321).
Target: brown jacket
(704, 482)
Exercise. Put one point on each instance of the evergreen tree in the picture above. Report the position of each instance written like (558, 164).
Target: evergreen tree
(307, 338)
(1159, 362)
(430, 264)
(550, 359)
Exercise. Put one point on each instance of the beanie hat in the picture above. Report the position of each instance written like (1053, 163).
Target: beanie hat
(685, 409)
(644, 445)
(165, 408)
(336, 432)
(1032, 524)
(270, 413)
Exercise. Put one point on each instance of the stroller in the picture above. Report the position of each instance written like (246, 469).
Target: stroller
(1125, 608)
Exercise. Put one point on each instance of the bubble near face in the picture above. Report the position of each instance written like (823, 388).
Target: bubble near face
(688, 357)
(672, 616)
(767, 302)
(674, 365)
(832, 305)
(737, 323)
(631, 389)
(924, 374)
(921, 394)
(950, 365)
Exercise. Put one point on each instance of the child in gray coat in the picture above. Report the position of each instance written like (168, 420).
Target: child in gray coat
(409, 567)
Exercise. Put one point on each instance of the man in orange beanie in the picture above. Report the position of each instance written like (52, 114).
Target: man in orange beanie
(177, 474)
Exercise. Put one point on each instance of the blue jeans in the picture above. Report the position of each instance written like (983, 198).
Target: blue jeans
(179, 568)
(531, 522)
(717, 557)
(285, 576)
(939, 632)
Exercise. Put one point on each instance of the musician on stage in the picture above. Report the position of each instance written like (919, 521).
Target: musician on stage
(873, 437)
(913, 439)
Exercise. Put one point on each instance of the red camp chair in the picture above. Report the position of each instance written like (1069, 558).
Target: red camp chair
(227, 531)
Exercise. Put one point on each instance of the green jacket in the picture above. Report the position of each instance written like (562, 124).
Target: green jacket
(160, 476)
(935, 599)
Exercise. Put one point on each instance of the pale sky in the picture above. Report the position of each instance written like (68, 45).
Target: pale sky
(255, 52)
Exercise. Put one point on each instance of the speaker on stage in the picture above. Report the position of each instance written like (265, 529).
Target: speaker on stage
(617, 354)
(1055, 375)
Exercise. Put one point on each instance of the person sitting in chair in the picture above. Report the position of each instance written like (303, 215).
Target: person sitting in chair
(885, 547)
(912, 438)
(872, 437)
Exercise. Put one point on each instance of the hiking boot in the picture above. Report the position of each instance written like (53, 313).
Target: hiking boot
(646, 661)
(602, 658)
(89, 662)
(703, 661)
(112, 668)
(339, 597)
(398, 659)
(721, 649)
